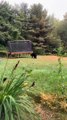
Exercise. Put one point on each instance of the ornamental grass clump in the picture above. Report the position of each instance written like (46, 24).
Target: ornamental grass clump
(14, 102)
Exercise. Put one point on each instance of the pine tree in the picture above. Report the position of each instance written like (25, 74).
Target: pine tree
(37, 28)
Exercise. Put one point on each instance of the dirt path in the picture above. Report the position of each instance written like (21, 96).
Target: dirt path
(51, 57)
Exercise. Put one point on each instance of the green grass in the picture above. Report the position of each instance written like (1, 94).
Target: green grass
(50, 76)
(45, 73)
(14, 102)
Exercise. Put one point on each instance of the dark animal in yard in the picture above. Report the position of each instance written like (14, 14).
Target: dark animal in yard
(34, 55)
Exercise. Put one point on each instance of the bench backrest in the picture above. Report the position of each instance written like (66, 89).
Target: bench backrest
(18, 46)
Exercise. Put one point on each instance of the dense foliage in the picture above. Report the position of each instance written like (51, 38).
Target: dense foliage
(20, 22)
(14, 102)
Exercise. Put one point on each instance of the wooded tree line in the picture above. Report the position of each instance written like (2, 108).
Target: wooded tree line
(47, 33)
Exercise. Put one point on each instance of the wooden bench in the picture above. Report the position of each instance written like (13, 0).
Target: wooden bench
(19, 47)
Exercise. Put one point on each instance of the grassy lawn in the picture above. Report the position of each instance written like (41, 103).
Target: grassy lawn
(49, 73)
(45, 72)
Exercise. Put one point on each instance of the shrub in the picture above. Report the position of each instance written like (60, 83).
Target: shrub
(14, 102)
(39, 51)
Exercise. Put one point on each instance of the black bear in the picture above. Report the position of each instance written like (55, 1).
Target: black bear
(34, 55)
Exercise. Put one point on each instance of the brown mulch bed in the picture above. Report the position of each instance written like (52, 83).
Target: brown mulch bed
(47, 114)
(51, 107)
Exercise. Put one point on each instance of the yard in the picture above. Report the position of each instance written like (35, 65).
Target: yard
(47, 79)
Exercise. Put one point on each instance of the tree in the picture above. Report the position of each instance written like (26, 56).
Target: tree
(37, 27)
(20, 22)
(10, 23)
(62, 31)
(54, 38)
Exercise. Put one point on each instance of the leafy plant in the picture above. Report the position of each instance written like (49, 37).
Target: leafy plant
(14, 102)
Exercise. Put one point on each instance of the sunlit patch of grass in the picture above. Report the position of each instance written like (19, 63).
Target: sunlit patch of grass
(54, 102)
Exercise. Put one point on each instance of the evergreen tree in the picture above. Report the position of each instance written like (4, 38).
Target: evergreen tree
(37, 27)
(62, 31)
(10, 23)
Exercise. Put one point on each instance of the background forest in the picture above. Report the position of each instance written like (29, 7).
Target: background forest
(48, 34)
